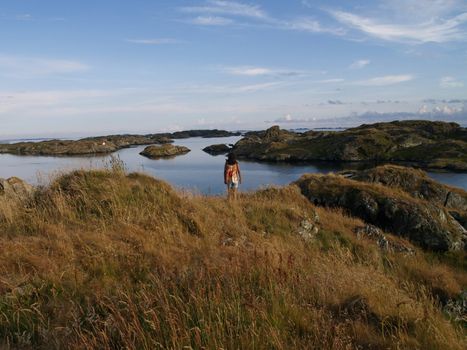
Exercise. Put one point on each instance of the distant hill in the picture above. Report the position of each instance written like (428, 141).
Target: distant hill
(103, 144)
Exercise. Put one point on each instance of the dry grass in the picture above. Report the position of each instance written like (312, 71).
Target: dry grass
(105, 260)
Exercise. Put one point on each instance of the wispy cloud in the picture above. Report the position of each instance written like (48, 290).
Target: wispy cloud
(433, 30)
(330, 81)
(450, 82)
(451, 101)
(385, 80)
(33, 66)
(359, 64)
(248, 71)
(423, 10)
(217, 12)
(208, 89)
(211, 21)
(255, 87)
(252, 71)
(231, 8)
(23, 17)
(156, 41)
(288, 119)
(307, 24)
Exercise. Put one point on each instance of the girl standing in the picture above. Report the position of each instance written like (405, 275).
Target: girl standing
(232, 176)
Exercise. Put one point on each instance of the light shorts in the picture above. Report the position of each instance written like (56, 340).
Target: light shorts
(233, 185)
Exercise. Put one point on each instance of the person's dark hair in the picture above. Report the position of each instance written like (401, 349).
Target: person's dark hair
(231, 158)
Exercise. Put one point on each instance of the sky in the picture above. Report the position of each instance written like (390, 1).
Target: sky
(91, 67)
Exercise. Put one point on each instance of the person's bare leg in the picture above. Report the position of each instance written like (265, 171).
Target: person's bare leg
(234, 190)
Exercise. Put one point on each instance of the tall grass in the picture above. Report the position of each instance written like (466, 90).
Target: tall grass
(105, 260)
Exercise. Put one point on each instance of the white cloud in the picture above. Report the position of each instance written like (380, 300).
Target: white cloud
(249, 71)
(433, 30)
(159, 41)
(450, 82)
(31, 66)
(211, 21)
(231, 8)
(359, 64)
(385, 80)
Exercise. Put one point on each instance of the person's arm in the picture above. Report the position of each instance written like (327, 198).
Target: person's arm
(239, 173)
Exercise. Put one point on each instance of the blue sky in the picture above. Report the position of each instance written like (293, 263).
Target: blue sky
(82, 67)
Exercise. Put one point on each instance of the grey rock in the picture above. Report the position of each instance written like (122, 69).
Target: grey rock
(423, 223)
(308, 228)
(15, 188)
(377, 235)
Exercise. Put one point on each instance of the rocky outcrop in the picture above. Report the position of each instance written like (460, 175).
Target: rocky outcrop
(414, 182)
(164, 151)
(15, 188)
(217, 149)
(428, 144)
(460, 216)
(384, 243)
(425, 224)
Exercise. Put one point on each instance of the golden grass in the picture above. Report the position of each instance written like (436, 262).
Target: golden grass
(105, 260)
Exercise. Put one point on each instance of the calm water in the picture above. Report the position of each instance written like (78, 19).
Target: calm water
(196, 171)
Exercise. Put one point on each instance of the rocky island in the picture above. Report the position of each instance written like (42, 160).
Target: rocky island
(91, 145)
(164, 151)
(217, 149)
(435, 145)
(103, 144)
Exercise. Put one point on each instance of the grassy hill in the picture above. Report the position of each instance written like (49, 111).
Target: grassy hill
(104, 259)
